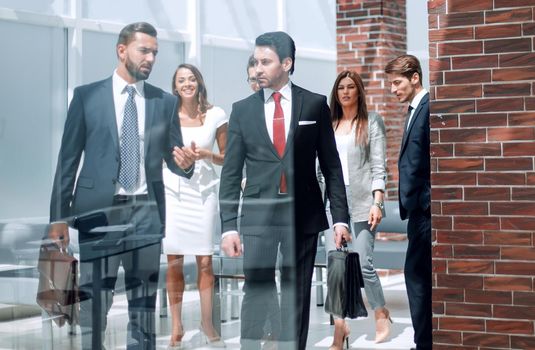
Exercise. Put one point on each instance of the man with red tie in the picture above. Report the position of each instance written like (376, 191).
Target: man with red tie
(277, 133)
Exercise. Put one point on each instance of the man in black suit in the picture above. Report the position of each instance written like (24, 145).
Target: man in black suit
(405, 76)
(124, 128)
(277, 133)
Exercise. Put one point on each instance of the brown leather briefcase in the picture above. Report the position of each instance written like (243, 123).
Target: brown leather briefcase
(58, 293)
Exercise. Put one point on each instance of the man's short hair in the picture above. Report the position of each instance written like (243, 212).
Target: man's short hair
(127, 33)
(404, 65)
(281, 43)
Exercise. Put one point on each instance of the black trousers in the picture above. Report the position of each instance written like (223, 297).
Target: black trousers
(136, 246)
(418, 279)
(260, 253)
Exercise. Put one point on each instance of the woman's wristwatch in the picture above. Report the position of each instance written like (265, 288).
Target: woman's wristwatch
(380, 205)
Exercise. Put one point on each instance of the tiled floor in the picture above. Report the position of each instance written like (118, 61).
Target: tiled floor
(26, 333)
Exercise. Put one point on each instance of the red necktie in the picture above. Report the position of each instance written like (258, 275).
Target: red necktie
(279, 137)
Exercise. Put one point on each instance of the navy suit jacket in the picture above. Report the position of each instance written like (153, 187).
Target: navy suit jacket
(310, 136)
(91, 130)
(414, 163)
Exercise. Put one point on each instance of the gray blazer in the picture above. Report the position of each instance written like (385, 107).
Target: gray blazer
(367, 168)
(367, 171)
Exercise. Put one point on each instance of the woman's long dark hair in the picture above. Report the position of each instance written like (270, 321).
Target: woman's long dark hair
(202, 94)
(361, 119)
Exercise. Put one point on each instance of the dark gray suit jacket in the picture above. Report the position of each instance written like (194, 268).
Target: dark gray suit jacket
(249, 144)
(91, 130)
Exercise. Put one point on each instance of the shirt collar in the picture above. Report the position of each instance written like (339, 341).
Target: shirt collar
(416, 100)
(286, 92)
(119, 85)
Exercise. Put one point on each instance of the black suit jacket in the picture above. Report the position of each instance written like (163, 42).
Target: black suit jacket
(414, 163)
(310, 136)
(91, 130)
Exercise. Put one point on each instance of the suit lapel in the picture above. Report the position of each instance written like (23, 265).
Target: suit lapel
(297, 104)
(260, 113)
(109, 112)
(150, 105)
(416, 115)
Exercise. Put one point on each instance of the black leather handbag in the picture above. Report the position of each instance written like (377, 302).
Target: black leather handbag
(344, 283)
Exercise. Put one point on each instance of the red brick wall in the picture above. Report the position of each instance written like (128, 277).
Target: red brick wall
(369, 34)
(483, 180)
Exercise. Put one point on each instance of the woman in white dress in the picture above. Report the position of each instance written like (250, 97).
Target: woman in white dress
(191, 204)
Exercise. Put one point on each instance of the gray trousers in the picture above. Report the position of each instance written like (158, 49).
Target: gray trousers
(363, 241)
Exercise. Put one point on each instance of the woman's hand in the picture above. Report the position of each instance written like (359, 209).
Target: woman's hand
(374, 217)
(203, 153)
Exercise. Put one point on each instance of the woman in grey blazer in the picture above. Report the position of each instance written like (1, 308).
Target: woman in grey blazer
(361, 144)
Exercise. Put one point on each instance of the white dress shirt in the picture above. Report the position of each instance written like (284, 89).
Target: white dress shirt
(119, 100)
(269, 111)
(414, 103)
(286, 104)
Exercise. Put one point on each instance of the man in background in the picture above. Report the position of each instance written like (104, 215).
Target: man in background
(251, 75)
(405, 77)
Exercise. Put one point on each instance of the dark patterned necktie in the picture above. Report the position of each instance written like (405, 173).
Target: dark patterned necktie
(129, 168)
(408, 118)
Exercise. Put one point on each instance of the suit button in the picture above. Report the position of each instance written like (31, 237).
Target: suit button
(114, 181)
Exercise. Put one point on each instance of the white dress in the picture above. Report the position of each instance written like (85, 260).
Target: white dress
(191, 204)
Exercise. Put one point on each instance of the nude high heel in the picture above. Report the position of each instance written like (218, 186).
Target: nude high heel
(345, 339)
(176, 345)
(215, 342)
(383, 323)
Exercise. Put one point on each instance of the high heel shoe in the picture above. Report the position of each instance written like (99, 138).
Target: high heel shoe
(345, 339)
(383, 323)
(176, 344)
(215, 342)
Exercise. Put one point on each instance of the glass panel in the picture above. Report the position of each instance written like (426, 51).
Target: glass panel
(314, 75)
(34, 100)
(33, 92)
(49, 7)
(99, 59)
(316, 29)
(221, 67)
(166, 14)
(239, 18)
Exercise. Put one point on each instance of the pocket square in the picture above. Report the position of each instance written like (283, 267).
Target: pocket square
(307, 122)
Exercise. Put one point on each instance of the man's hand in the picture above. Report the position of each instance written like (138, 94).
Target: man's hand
(340, 231)
(59, 232)
(185, 156)
(231, 245)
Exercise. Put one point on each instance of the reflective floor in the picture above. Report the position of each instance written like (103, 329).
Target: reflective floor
(26, 333)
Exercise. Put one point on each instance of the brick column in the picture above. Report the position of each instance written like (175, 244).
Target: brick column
(369, 34)
(483, 180)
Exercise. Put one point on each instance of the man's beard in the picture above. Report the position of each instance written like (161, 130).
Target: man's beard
(135, 72)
